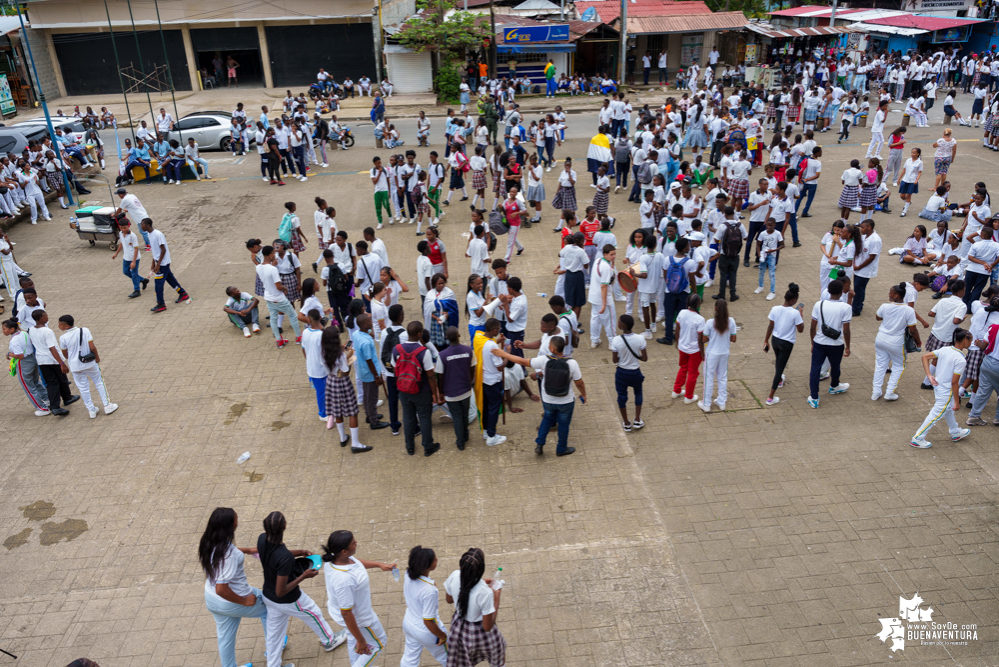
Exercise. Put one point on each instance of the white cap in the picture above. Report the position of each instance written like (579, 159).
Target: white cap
(675, 185)
(694, 236)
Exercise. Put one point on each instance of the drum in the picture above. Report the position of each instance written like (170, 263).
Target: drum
(627, 282)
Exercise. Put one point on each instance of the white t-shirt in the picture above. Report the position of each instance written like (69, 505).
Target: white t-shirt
(315, 366)
(518, 314)
(133, 208)
(690, 324)
(348, 587)
(424, 272)
(872, 247)
(156, 240)
(986, 251)
(422, 602)
(911, 170)
(786, 320)
(759, 214)
(480, 598)
(42, 338)
(625, 359)
(770, 241)
(492, 366)
(230, 572)
(946, 310)
(474, 302)
(539, 362)
(950, 362)
(70, 344)
(129, 246)
(601, 274)
(718, 343)
(270, 277)
(896, 317)
(478, 252)
(835, 314)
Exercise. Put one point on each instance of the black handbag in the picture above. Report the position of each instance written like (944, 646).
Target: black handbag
(827, 331)
(89, 356)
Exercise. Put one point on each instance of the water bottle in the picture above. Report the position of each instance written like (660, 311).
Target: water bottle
(497, 582)
(395, 574)
(243, 459)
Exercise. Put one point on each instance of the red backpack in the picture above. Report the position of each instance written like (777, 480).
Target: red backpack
(408, 371)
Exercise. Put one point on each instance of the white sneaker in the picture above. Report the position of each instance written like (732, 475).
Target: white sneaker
(653, 329)
(709, 283)
(110, 407)
(920, 443)
(617, 189)
(170, 182)
(177, 182)
(771, 296)
(676, 394)
(304, 179)
(246, 332)
(256, 328)
(338, 638)
(647, 335)
(266, 180)
(891, 397)
(961, 435)
(93, 413)
(660, 318)
(693, 399)
(840, 388)
(758, 290)
(43, 413)
(706, 408)
(824, 376)
(781, 381)
(875, 395)
(324, 165)
(379, 226)
(594, 344)
(495, 440)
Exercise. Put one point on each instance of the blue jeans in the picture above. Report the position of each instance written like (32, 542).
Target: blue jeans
(227, 617)
(136, 163)
(673, 305)
(769, 265)
(663, 75)
(166, 276)
(624, 378)
(240, 321)
(319, 384)
(132, 273)
(809, 189)
(492, 397)
(560, 414)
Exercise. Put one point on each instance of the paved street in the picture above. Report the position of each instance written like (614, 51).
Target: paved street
(757, 536)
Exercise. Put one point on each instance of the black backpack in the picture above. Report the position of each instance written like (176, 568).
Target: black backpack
(336, 281)
(558, 377)
(388, 345)
(731, 243)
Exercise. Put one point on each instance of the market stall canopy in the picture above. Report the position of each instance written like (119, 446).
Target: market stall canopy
(657, 25)
(889, 30)
(768, 30)
(610, 10)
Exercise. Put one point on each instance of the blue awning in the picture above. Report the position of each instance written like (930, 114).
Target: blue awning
(536, 48)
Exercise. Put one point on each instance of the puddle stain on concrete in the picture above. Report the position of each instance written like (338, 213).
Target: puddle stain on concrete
(68, 530)
(19, 540)
(235, 412)
(278, 425)
(253, 476)
(38, 510)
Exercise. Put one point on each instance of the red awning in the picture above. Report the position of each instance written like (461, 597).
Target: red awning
(918, 22)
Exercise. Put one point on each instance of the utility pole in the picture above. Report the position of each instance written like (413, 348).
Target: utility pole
(623, 56)
(832, 16)
(492, 40)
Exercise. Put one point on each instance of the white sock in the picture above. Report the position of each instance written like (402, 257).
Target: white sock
(419, 223)
(905, 208)
(280, 319)
(464, 192)
(355, 439)
(475, 198)
(449, 193)
(561, 223)
(343, 432)
(62, 202)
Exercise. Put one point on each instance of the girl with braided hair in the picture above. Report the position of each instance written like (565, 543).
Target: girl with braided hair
(422, 624)
(474, 637)
(282, 596)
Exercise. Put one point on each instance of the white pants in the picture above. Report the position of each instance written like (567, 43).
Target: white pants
(84, 378)
(277, 624)
(877, 141)
(716, 369)
(7, 201)
(824, 279)
(888, 349)
(374, 636)
(629, 301)
(37, 201)
(560, 285)
(512, 241)
(418, 637)
(941, 408)
(8, 271)
(607, 320)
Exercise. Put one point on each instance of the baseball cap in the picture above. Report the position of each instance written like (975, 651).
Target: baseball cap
(694, 236)
(121, 191)
(675, 185)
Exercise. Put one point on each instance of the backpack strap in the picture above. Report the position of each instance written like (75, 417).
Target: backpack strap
(624, 339)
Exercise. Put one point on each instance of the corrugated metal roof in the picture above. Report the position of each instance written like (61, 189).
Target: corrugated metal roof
(654, 25)
(609, 10)
(920, 22)
(768, 30)
(813, 12)
(889, 30)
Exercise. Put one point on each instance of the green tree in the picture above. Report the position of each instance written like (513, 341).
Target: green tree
(448, 36)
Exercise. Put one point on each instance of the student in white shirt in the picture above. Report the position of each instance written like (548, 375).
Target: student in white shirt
(422, 625)
(77, 344)
(601, 296)
(689, 324)
(785, 324)
(715, 337)
(829, 317)
(945, 380)
(768, 244)
(948, 314)
(889, 345)
(628, 349)
(908, 179)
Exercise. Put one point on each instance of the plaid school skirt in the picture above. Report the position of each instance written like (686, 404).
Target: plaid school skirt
(849, 197)
(738, 188)
(933, 344)
(296, 243)
(423, 206)
(478, 180)
(771, 111)
(564, 199)
(990, 122)
(323, 245)
(499, 184)
(601, 200)
(973, 362)
(868, 195)
(468, 644)
(341, 399)
(811, 115)
(290, 281)
(54, 178)
(793, 111)
(258, 288)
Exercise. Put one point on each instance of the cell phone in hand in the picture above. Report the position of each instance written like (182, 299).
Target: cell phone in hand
(766, 347)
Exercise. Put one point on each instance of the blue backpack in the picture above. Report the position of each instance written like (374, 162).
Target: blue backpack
(677, 279)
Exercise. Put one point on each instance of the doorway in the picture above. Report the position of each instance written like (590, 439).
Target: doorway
(249, 74)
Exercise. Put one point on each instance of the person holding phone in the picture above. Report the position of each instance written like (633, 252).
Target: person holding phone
(785, 324)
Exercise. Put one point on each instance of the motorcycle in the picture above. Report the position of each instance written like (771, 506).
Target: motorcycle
(348, 138)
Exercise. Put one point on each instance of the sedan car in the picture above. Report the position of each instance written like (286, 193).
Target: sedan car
(209, 129)
(74, 125)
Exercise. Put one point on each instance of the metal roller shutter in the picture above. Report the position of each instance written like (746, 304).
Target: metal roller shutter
(411, 72)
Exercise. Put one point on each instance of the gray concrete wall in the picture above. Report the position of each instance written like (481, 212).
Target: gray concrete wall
(47, 75)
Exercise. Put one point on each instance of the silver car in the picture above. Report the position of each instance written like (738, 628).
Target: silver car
(209, 128)
(74, 125)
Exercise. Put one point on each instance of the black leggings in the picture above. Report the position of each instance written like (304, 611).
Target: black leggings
(56, 384)
(273, 164)
(782, 350)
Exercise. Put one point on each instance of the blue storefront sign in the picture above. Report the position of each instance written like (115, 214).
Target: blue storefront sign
(532, 34)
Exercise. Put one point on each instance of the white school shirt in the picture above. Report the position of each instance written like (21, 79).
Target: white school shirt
(851, 177)
(691, 324)
(911, 170)
(786, 320)
(518, 314)
(231, 573)
(422, 601)
(381, 185)
(625, 359)
(740, 169)
(835, 314)
(71, 345)
(563, 178)
(896, 317)
(287, 264)
(987, 251)
(475, 301)
(872, 246)
(478, 252)
(269, 277)
(129, 245)
(43, 338)
(491, 364)
(480, 598)
(602, 273)
(368, 271)
(651, 264)
(718, 343)
(424, 271)
(315, 366)
(950, 362)
(348, 588)
(156, 240)
(538, 364)
(759, 214)
(946, 310)
(572, 258)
